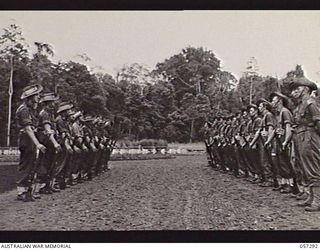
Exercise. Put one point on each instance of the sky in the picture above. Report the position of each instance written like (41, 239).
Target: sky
(278, 40)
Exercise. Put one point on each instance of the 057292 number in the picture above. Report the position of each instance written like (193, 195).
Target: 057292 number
(310, 246)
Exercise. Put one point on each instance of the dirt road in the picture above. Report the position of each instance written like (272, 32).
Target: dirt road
(173, 194)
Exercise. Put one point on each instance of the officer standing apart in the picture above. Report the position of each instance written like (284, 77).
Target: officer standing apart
(307, 139)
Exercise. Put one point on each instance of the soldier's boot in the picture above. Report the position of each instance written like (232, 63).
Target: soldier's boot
(89, 176)
(286, 189)
(276, 183)
(267, 183)
(28, 197)
(46, 189)
(246, 173)
(308, 201)
(54, 186)
(209, 161)
(253, 178)
(74, 179)
(68, 182)
(302, 196)
(80, 178)
(62, 185)
(35, 191)
(315, 204)
(278, 188)
(295, 188)
(21, 193)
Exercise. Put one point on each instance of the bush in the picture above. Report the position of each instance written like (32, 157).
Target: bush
(126, 143)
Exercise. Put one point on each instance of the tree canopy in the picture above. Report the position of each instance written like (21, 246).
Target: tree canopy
(171, 101)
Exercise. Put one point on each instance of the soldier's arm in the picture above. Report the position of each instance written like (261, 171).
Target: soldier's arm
(68, 146)
(34, 139)
(50, 132)
(288, 135)
(257, 134)
(255, 138)
(26, 123)
(287, 119)
(93, 147)
(271, 134)
(315, 113)
(271, 131)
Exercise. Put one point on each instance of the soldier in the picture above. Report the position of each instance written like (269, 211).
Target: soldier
(108, 143)
(234, 153)
(79, 149)
(63, 127)
(282, 146)
(267, 170)
(215, 141)
(243, 142)
(209, 142)
(254, 144)
(46, 135)
(223, 143)
(89, 143)
(239, 143)
(306, 139)
(99, 145)
(27, 141)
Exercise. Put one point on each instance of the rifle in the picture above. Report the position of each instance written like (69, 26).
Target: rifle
(284, 154)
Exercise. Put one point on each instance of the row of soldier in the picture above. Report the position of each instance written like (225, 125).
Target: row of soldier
(269, 145)
(59, 147)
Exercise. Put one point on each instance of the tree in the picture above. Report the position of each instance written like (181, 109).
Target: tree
(41, 67)
(191, 71)
(137, 74)
(14, 59)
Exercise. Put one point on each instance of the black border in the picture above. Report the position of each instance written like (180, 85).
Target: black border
(160, 236)
(159, 4)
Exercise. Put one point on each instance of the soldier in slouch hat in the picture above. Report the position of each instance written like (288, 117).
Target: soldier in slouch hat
(282, 138)
(47, 136)
(306, 117)
(28, 142)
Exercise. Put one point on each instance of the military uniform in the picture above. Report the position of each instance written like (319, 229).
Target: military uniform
(267, 169)
(65, 140)
(255, 150)
(307, 142)
(46, 132)
(26, 118)
(282, 159)
(79, 148)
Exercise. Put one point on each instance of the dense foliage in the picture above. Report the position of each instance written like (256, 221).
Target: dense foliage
(170, 102)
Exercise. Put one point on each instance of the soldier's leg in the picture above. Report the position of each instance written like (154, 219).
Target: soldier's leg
(57, 168)
(67, 172)
(74, 168)
(107, 157)
(223, 159)
(26, 168)
(244, 162)
(237, 161)
(47, 163)
(99, 164)
(254, 155)
(315, 202)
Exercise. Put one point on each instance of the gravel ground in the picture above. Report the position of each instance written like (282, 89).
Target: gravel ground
(173, 194)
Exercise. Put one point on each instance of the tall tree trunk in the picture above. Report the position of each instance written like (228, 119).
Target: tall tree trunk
(251, 90)
(192, 130)
(130, 129)
(10, 92)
